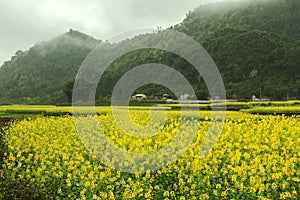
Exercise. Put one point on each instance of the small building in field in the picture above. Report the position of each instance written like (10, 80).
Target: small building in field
(158, 96)
(166, 96)
(162, 96)
(184, 97)
(139, 97)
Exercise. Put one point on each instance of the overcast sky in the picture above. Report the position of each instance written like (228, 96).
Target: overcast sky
(26, 22)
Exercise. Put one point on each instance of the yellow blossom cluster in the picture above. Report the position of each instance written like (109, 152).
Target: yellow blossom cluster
(256, 157)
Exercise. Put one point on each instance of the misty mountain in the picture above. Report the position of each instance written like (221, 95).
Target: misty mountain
(276, 16)
(255, 46)
(38, 75)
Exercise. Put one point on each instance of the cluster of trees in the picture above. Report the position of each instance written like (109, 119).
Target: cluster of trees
(255, 46)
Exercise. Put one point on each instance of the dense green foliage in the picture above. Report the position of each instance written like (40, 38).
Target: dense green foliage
(38, 75)
(255, 46)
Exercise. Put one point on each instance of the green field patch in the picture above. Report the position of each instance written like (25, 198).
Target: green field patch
(274, 110)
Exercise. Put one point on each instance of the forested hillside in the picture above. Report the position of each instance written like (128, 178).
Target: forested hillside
(255, 46)
(38, 75)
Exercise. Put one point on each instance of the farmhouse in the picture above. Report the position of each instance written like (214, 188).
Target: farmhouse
(139, 97)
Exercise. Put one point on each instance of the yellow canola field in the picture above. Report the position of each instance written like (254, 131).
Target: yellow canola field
(256, 157)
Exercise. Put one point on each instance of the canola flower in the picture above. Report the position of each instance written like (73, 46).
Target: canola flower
(256, 157)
